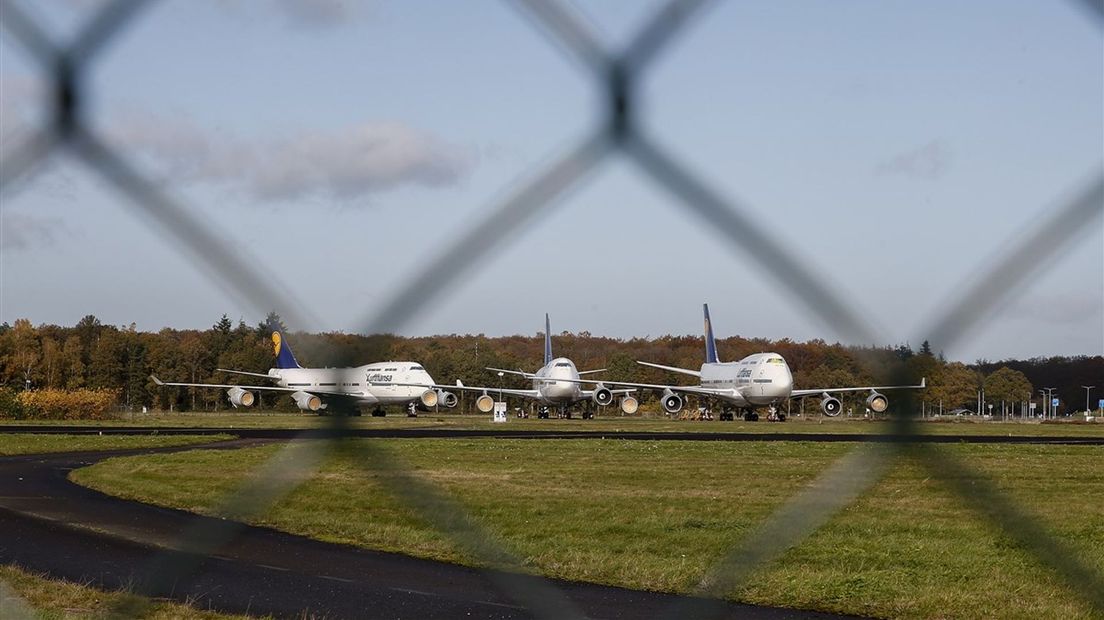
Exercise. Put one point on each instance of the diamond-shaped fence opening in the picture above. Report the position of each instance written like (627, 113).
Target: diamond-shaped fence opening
(616, 74)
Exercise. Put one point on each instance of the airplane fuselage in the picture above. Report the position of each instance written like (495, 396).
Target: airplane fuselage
(360, 382)
(549, 382)
(758, 379)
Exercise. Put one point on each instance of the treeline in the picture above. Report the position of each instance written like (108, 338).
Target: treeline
(105, 357)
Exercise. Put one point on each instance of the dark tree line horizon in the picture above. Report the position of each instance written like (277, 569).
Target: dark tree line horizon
(94, 355)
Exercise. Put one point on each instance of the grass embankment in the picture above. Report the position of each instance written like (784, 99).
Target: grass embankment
(16, 443)
(42, 597)
(611, 423)
(656, 515)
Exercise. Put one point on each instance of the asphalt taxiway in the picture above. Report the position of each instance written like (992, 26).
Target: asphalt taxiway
(52, 525)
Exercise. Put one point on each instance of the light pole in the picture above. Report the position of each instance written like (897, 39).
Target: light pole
(500, 386)
(1087, 388)
(1049, 395)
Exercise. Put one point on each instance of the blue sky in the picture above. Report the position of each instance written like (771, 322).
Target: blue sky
(895, 147)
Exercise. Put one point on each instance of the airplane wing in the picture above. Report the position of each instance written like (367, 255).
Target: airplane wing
(591, 372)
(248, 374)
(689, 389)
(470, 388)
(622, 391)
(521, 373)
(685, 371)
(270, 388)
(819, 391)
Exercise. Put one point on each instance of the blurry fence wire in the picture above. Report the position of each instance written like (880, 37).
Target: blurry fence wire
(615, 74)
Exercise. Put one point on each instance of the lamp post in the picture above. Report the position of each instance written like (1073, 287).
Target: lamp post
(1087, 389)
(1048, 393)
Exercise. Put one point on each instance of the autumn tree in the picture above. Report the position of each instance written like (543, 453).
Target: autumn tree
(1006, 384)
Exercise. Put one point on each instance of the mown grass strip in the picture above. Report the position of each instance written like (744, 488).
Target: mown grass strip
(48, 599)
(16, 443)
(658, 515)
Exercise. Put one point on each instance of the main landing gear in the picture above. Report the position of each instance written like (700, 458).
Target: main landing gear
(378, 412)
(750, 415)
(774, 415)
(411, 411)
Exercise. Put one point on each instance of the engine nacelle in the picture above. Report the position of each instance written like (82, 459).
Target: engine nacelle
(307, 402)
(485, 403)
(672, 403)
(602, 395)
(831, 406)
(447, 399)
(240, 397)
(629, 405)
(429, 399)
(876, 402)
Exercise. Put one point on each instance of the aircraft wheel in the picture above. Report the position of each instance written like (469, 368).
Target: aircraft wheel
(781, 417)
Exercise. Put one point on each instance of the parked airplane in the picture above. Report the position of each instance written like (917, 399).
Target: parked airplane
(760, 379)
(556, 384)
(346, 389)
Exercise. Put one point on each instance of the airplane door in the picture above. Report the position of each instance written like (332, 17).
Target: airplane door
(757, 377)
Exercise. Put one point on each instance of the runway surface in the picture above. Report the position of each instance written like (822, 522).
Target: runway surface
(448, 433)
(51, 525)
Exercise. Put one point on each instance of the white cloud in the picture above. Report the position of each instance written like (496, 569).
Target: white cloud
(346, 164)
(927, 162)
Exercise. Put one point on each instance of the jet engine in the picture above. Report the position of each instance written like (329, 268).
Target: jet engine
(831, 406)
(629, 405)
(876, 402)
(307, 402)
(485, 403)
(672, 403)
(448, 399)
(240, 397)
(429, 399)
(602, 395)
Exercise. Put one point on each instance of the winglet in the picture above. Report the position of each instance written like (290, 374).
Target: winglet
(547, 340)
(923, 382)
(459, 383)
(156, 380)
(710, 344)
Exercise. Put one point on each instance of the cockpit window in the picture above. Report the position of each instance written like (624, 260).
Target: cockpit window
(562, 365)
(416, 368)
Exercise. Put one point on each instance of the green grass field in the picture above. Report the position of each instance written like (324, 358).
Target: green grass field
(657, 515)
(23, 593)
(808, 424)
(13, 443)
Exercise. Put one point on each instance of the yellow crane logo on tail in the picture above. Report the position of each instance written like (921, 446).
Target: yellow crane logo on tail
(276, 343)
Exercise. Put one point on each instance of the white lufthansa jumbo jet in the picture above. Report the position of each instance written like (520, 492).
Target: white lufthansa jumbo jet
(760, 379)
(556, 384)
(345, 389)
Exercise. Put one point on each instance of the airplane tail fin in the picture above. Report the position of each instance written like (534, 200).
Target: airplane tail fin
(547, 340)
(284, 357)
(710, 344)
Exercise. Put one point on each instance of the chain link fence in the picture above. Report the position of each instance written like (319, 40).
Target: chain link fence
(615, 74)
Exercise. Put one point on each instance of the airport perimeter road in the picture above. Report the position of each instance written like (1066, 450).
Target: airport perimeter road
(51, 525)
(452, 433)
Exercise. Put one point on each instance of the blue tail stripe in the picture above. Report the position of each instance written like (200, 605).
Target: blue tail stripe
(710, 344)
(284, 357)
